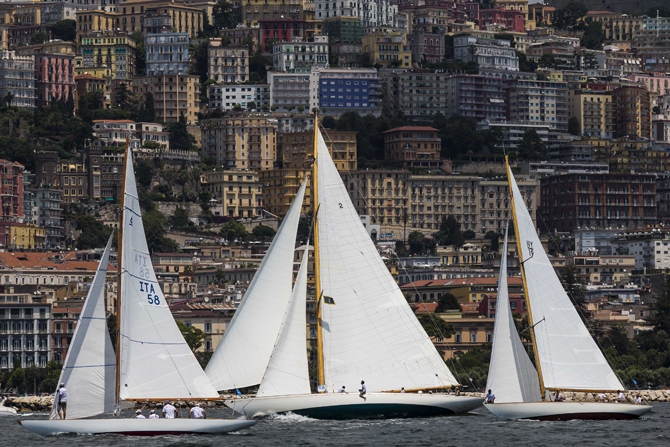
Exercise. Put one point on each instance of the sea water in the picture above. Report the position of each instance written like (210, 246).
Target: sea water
(479, 428)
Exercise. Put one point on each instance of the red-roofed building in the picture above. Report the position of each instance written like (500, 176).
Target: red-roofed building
(212, 319)
(502, 19)
(487, 306)
(413, 146)
(466, 290)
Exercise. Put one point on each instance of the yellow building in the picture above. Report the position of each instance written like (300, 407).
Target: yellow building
(237, 193)
(212, 319)
(174, 95)
(539, 14)
(617, 26)
(280, 187)
(594, 269)
(626, 155)
(298, 147)
(241, 142)
(26, 14)
(107, 56)
(92, 21)
(254, 10)
(185, 19)
(387, 47)
(26, 236)
(594, 110)
(464, 256)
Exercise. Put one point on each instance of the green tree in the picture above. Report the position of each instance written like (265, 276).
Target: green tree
(8, 99)
(93, 233)
(590, 61)
(155, 223)
(140, 54)
(567, 16)
(49, 377)
(493, 238)
(449, 232)
(263, 232)
(532, 147)
(574, 287)
(660, 317)
(251, 105)
(17, 380)
(180, 218)
(447, 302)
(416, 241)
(573, 126)
(144, 172)
(199, 60)
(233, 230)
(469, 234)
(223, 15)
(547, 61)
(525, 64)
(663, 11)
(594, 36)
(147, 112)
(193, 336)
(180, 138)
(111, 327)
(64, 30)
(38, 38)
(435, 326)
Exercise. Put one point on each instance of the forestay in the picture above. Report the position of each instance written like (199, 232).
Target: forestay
(569, 357)
(156, 362)
(512, 376)
(89, 369)
(243, 354)
(369, 331)
(288, 372)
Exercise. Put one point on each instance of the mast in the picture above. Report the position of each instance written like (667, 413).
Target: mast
(117, 393)
(523, 276)
(317, 267)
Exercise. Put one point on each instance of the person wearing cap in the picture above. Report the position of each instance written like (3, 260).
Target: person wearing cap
(197, 412)
(169, 410)
(61, 396)
(153, 415)
(139, 415)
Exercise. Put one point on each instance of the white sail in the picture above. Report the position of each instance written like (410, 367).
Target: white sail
(288, 372)
(155, 360)
(569, 357)
(243, 354)
(369, 333)
(512, 376)
(89, 369)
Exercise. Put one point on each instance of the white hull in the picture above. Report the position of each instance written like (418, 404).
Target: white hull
(135, 427)
(564, 411)
(6, 411)
(351, 406)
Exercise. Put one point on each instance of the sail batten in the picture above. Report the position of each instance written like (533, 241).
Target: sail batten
(512, 376)
(90, 364)
(369, 331)
(155, 359)
(242, 356)
(569, 357)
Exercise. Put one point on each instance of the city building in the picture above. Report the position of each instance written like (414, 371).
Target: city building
(211, 319)
(228, 97)
(228, 65)
(152, 132)
(615, 200)
(298, 149)
(49, 208)
(426, 47)
(26, 236)
(87, 84)
(632, 155)
(54, 70)
(495, 208)
(241, 36)
(650, 248)
(107, 55)
(241, 142)
(281, 30)
(487, 53)
(538, 102)
(413, 146)
(11, 191)
(17, 79)
(500, 19)
(25, 336)
(343, 29)
(115, 133)
(166, 53)
(374, 13)
(380, 194)
(595, 111)
(417, 93)
(289, 91)
(595, 268)
(475, 96)
(239, 193)
(387, 47)
(255, 13)
(633, 112)
(280, 187)
(184, 19)
(346, 54)
(174, 95)
(335, 91)
(300, 57)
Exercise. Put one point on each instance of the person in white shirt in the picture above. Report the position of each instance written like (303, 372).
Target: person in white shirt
(61, 395)
(139, 415)
(197, 412)
(621, 397)
(363, 391)
(169, 411)
(490, 398)
(402, 390)
(638, 400)
(153, 415)
(602, 397)
(342, 390)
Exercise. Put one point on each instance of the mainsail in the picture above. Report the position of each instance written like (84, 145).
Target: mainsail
(243, 354)
(288, 372)
(155, 360)
(569, 357)
(369, 330)
(512, 376)
(90, 364)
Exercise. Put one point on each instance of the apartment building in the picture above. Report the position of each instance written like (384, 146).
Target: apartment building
(11, 191)
(254, 12)
(152, 132)
(487, 53)
(343, 29)
(434, 197)
(649, 248)
(115, 133)
(238, 192)
(633, 112)
(228, 65)
(86, 84)
(174, 95)
(595, 111)
(300, 57)
(426, 46)
(298, 149)
(184, 19)
(17, 77)
(107, 55)
(632, 155)
(49, 208)
(653, 47)
(418, 93)
(374, 13)
(614, 200)
(594, 268)
(25, 335)
(476, 96)
(495, 207)
(166, 53)
(413, 146)
(26, 236)
(54, 70)
(538, 102)
(387, 47)
(338, 90)
(289, 91)
(243, 142)
(380, 194)
(227, 97)
(347, 54)
(280, 187)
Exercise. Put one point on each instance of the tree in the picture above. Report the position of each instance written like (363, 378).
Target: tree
(304, 227)
(9, 97)
(573, 126)
(447, 302)
(233, 230)
(469, 234)
(180, 138)
(193, 336)
(660, 317)
(251, 105)
(263, 232)
(147, 112)
(493, 238)
(199, 60)
(111, 327)
(449, 232)
(547, 61)
(574, 287)
(663, 11)
(223, 15)
(435, 326)
(93, 233)
(144, 172)
(38, 38)
(593, 36)
(155, 223)
(180, 218)
(17, 380)
(532, 147)
(525, 64)
(591, 61)
(258, 64)
(416, 241)
(567, 16)
(140, 54)
(64, 30)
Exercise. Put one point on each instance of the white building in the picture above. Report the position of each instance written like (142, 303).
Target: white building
(17, 76)
(596, 241)
(153, 132)
(300, 57)
(115, 132)
(650, 249)
(167, 53)
(492, 53)
(227, 64)
(289, 91)
(225, 97)
(371, 13)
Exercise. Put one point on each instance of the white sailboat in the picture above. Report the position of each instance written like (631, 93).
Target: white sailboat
(366, 330)
(153, 361)
(566, 356)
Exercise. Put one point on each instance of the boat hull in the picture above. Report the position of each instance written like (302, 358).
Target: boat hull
(565, 411)
(135, 427)
(351, 406)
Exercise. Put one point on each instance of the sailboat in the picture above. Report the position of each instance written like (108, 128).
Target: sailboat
(566, 356)
(152, 361)
(366, 331)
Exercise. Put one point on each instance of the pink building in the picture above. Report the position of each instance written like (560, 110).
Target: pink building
(54, 77)
(500, 18)
(658, 83)
(11, 191)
